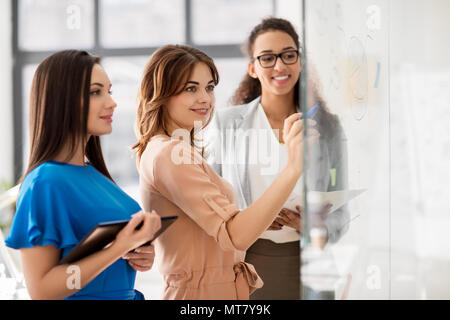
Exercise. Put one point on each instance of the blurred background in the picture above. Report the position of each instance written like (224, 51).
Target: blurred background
(384, 71)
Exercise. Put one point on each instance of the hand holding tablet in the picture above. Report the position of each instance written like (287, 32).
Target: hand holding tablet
(105, 233)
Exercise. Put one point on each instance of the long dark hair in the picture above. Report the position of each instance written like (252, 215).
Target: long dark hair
(250, 88)
(59, 108)
(164, 76)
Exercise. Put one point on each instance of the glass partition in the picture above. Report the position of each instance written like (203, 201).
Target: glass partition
(139, 23)
(347, 67)
(383, 97)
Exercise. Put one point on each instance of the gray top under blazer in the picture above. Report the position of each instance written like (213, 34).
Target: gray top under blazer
(227, 153)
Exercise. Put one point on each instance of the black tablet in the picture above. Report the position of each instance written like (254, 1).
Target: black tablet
(105, 233)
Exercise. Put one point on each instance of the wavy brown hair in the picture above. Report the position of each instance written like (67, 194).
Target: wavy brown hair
(59, 108)
(165, 76)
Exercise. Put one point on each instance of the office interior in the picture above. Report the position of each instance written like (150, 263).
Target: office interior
(383, 69)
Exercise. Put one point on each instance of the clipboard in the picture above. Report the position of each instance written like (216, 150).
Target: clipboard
(105, 233)
(317, 200)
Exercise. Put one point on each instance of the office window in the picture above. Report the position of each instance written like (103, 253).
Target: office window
(27, 73)
(141, 23)
(125, 34)
(125, 75)
(227, 21)
(231, 71)
(55, 24)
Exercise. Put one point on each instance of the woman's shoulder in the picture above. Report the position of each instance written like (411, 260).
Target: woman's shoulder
(158, 146)
(47, 178)
(47, 172)
(165, 151)
(169, 160)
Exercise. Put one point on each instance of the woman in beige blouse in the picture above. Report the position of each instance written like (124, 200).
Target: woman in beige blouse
(201, 256)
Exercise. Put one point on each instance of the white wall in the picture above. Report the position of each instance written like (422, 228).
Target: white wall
(420, 33)
(420, 95)
(6, 117)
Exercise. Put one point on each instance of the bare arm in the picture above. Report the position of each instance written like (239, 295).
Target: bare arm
(47, 280)
(249, 224)
(189, 186)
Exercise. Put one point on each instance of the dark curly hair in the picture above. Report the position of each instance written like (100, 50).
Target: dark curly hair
(250, 88)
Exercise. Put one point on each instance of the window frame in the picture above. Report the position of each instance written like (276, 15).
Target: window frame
(25, 57)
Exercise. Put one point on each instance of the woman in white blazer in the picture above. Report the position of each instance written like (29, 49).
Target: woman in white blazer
(245, 147)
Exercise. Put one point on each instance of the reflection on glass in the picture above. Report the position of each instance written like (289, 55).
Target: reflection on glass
(346, 52)
(141, 23)
(226, 21)
(55, 24)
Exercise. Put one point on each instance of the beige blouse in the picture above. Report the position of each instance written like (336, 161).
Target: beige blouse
(196, 255)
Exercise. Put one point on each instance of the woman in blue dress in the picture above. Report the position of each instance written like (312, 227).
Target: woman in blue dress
(67, 189)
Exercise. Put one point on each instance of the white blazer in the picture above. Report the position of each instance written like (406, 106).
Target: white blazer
(228, 152)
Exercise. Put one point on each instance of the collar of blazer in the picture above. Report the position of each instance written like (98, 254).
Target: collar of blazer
(243, 119)
(246, 113)
(236, 118)
(244, 122)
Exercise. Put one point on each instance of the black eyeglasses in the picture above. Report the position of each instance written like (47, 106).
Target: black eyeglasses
(268, 60)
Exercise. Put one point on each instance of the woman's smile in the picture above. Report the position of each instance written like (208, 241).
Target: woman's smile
(107, 118)
(281, 79)
(201, 111)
